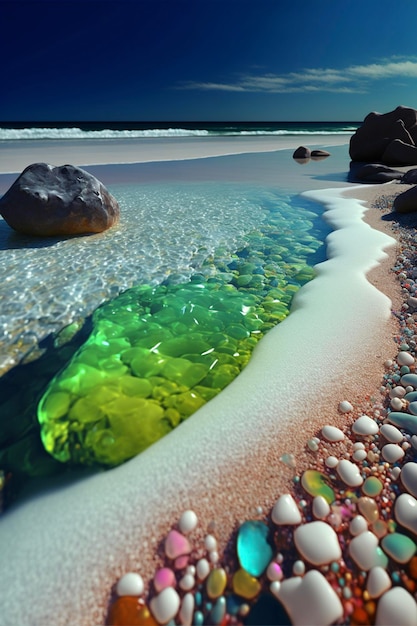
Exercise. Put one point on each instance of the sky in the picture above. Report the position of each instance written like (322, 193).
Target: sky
(212, 60)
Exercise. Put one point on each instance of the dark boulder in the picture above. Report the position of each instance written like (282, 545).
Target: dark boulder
(65, 200)
(379, 136)
(410, 177)
(406, 202)
(302, 153)
(373, 173)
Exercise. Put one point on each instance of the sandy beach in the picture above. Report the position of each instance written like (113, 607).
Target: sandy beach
(228, 466)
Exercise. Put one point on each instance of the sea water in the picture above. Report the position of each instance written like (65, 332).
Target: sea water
(178, 220)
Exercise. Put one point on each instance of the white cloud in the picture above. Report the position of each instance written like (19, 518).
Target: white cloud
(352, 79)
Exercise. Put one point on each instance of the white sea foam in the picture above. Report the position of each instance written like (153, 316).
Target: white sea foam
(61, 549)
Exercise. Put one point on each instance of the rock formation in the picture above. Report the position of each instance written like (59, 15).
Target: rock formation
(65, 200)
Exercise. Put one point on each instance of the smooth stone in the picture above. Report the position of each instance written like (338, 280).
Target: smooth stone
(345, 406)
(218, 611)
(409, 477)
(368, 508)
(331, 433)
(411, 396)
(412, 407)
(397, 392)
(396, 404)
(398, 547)
(349, 473)
(365, 551)
(202, 569)
(188, 522)
(274, 571)
(372, 486)
(186, 613)
(317, 484)
(391, 433)
(409, 379)
(176, 545)
(392, 453)
(285, 511)
(364, 426)
(406, 511)
(359, 455)
(130, 584)
(309, 600)
(164, 578)
(398, 607)
(302, 152)
(165, 605)
(245, 585)
(403, 420)
(378, 582)
(253, 549)
(317, 542)
(127, 610)
(331, 461)
(405, 358)
(358, 525)
(321, 508)
(216, 583)
(187, 582)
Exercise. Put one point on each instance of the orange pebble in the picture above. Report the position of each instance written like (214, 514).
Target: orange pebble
(370, 608)
(413, 567)
(359, 617)
(126, 611)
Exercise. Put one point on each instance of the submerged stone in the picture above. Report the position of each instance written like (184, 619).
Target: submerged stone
(253, 549)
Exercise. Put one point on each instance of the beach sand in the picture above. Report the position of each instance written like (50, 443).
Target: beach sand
(225, 478)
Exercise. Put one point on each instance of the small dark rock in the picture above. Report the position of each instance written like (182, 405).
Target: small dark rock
(302, 153)
(322, 154)
(65, 200)
(406, 202)
(410, 177)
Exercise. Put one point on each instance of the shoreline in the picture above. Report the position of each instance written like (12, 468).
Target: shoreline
(221, 499)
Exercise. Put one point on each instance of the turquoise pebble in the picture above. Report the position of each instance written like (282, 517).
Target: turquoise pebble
(405, 369)
(233, 604)
(409, 379)
(411, 397)
(253, 550)
(198, 598)
(403, 420)
(219, 610)
(198, 618)
(399, 547)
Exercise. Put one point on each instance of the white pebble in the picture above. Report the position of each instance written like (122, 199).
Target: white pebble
(165, 605)
(349, 473)
(398, 607)
(364, 551)
(210, 543)
(332, 461)
(285, 511)
(397, 392)
(345, 407)
(321, 508)
(406, 511)
(187, 582)
(365, 425)
(395, 473)
(391, 433)
(409, 477)
(359, 445)
(359, 455)
(188, 522)
(331, 433)
(187, 610)
(317, 542)
(214, 557)
(358, 525)
(299, 568)
(396, 404)
(202, 569)
(405, 358)
(309, 599)
(131, 584)
(392, 453)
(378, 582)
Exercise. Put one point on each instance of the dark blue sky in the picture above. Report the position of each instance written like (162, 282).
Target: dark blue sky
(190, 60)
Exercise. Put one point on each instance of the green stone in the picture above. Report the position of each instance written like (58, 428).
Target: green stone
(399, 547)
(253, 549)
(317, 484)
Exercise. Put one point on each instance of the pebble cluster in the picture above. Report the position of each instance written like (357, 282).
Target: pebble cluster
(340, 549)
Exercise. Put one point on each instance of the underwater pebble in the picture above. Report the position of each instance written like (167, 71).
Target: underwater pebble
(187, 610)
(365, 425)
(165, 605)
(331, 433)
(345, 406)
(349, 473)
(398, 607)
(317, 542)
(131, 584)
(405, 358)
(406, 512)
(358, 525)
(365, 551)
(321, 508)
(188, 522)
(391, 433)
(378, 582)
(392, 453)
(176, 545)
(285, 511)
(409, 477)
(309, 600)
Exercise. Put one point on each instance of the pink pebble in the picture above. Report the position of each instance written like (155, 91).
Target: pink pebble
(164, 578)
(176, 545)
(181, 562)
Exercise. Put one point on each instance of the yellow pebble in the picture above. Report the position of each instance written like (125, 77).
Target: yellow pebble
(245, 585)
(216, 583)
